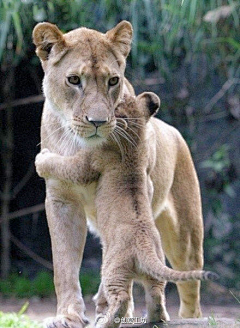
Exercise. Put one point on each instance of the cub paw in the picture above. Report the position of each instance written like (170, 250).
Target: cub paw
(42, 161)
(101, 321)
(61, 321)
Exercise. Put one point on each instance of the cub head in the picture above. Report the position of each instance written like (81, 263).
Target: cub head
(132, 115)
(84, 76)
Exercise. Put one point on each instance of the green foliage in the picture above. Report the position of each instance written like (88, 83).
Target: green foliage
(219, 166)
(219, 160)
(21, 286)
(43, 286)
(199, 38)
(17, 320)
(164, 31)
(90, 281)
(212, 321)
(222, 242)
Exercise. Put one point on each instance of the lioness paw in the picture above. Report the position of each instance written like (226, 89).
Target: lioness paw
(61, 321)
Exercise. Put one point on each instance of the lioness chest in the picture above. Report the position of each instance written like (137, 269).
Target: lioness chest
(87, 196)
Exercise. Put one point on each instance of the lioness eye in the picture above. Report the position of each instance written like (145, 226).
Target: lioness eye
(113, 81)
(74, 79)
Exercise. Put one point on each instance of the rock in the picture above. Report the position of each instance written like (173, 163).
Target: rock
(193, 323)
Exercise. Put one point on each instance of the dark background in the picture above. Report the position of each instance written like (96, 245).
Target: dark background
(188, 54)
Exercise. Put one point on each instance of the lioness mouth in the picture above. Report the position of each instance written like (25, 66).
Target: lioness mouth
(95, 136)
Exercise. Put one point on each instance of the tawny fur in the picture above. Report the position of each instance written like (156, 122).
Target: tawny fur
(131, 243)
(67, 128)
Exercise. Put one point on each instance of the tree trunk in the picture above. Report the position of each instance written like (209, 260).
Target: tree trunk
(7, 156)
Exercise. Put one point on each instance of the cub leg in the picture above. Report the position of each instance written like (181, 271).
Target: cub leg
(155, 300)
(102, 304)
(130, 308)
(182, 245)
(68, 230)
(118, 300)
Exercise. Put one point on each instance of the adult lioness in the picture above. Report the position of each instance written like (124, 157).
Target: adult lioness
(123, 212)
(83, 83)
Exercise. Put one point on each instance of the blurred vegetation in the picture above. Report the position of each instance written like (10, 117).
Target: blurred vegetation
(19, 320)
(194, 46)
(21, 286)
(165, 32)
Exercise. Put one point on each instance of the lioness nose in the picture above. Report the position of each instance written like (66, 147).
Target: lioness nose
(96, 123)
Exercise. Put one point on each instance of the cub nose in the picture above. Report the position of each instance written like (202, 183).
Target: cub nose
(96, 123)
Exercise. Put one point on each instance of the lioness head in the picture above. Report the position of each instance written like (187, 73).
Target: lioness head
(84, 76)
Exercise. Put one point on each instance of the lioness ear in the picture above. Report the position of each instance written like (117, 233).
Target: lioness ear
(150, 103)
(121, 36)
(45, 36)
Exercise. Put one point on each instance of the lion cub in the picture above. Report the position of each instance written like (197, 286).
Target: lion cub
(131, 242)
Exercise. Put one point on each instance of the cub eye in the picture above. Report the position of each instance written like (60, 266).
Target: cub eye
(74, 79)
(113, 81)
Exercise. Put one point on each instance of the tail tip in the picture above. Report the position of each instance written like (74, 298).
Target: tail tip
(209, 275)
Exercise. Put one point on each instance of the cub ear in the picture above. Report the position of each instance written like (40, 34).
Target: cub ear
(149, 102)
(121, 37)
(45, 36)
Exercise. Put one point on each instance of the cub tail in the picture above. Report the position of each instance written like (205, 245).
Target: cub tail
(150, 264)
(175, 276)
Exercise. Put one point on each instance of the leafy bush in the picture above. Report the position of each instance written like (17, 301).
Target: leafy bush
(17, 320)
(13, 320)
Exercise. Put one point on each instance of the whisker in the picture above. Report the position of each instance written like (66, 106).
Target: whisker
(131, 121)
(63, 142)
(56, 122)
(136, 134)
(125, 135)
(128, 128)
(133, 118)
(69, 142)
(50, 135)
(63, 136)
(74, 143)
(118, 142)
(136, 123)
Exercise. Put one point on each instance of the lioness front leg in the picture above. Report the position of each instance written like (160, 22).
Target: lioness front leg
(68, 230)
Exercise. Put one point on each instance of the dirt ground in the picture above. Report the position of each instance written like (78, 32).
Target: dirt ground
(217, 302)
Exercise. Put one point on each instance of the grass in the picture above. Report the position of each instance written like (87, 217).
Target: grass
(17, 320)
(42, 286)
(236, 298)
(211, 320)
